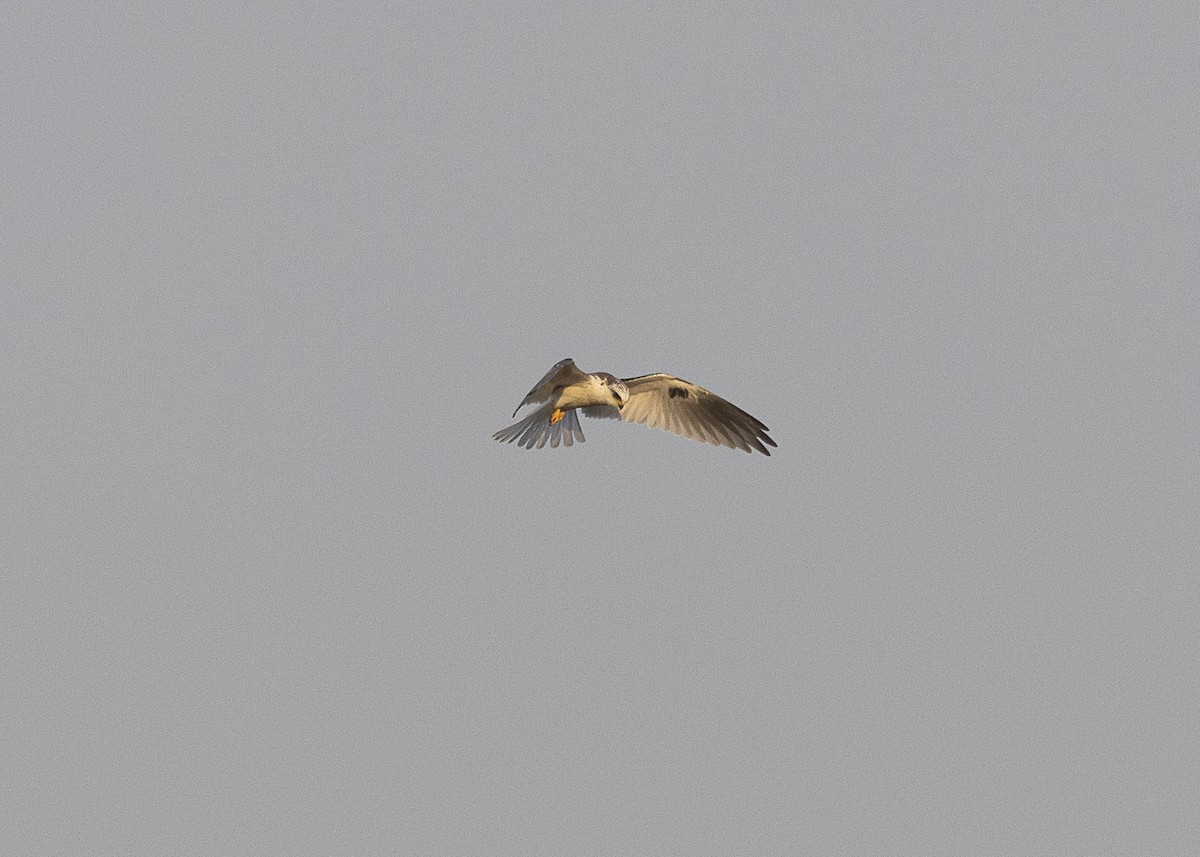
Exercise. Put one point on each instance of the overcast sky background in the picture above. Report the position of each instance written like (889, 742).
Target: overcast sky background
(273, 275)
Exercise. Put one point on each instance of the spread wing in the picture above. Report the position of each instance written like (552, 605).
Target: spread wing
(670, 403)
(562, 374)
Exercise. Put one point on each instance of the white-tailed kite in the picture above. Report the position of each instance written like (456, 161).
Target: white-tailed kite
(659, 401)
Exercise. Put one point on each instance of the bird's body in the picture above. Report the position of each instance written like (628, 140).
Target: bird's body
(659, 401)
(594, 390)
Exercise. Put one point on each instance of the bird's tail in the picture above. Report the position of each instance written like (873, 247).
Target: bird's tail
(535, 430)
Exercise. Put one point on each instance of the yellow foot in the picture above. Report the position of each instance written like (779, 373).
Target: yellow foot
(557, 416)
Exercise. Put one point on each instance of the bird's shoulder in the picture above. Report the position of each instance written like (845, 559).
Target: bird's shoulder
(564, 373)
(662, 384)
(561, 374)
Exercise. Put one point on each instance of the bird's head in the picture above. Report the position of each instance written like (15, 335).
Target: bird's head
(616, 388)
(620, 393)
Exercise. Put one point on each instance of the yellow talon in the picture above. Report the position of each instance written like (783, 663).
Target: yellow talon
(558, 414)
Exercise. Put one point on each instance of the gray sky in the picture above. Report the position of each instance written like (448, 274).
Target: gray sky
(273, 276)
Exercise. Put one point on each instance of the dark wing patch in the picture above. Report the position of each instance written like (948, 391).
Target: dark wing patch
(678, 393)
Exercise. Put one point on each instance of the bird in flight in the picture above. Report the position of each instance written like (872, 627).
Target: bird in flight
(659, 401)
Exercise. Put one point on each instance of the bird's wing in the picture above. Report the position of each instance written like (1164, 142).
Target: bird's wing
(562, 374)
(670, 403)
